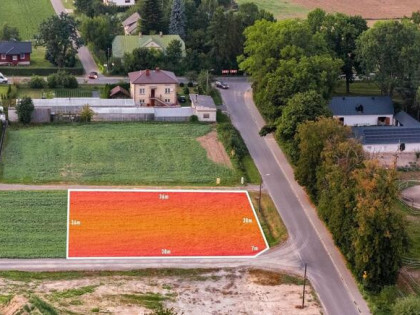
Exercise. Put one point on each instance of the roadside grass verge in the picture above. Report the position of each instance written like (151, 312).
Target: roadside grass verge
(33, 224)
(72, 293)
(42, 306)
(26, 15)
(273, 227)
(149, 300)
(111, 153)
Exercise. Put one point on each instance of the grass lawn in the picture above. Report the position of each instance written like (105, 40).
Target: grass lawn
(281, 9)
(82, 91)
(33, 224)
(413, 230)
(3, 89)
(26, 15)
(111, 153)
(274, 230)
(68, 4)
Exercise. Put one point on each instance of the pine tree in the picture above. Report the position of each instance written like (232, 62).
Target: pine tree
(151, 17)
(177, 22)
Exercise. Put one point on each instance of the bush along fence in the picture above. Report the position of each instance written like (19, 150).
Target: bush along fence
(26, 72)
(3, 126)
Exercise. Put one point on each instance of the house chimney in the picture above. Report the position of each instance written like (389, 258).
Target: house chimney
(160, 34)
(157, 69)
(147, 72)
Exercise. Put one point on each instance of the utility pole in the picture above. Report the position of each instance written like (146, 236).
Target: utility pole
(107, 62)
(304, 284)
(259, 198)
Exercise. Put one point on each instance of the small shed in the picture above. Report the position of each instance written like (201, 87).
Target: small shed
(203, 107)
(119, 92)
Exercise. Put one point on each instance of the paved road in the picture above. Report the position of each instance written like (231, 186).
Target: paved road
(84, 54)
(411, 196)
(327, 269)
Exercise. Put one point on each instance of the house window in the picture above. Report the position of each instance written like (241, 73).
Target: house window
(167, 90)
(3, 56)
(167, 100)
(141, 101)
(127, 1)
(206, 116)
(15, 57)
(142, 91)
(22, 56)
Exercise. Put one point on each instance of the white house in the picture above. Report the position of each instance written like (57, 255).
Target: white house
(203, 107)
(363, 110)
(120, 3)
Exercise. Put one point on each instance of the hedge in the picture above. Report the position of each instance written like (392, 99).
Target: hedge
(27, 72)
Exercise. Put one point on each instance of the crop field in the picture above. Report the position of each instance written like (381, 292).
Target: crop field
(26, 15)
(111, 153)
(32, 224)
(162, 224)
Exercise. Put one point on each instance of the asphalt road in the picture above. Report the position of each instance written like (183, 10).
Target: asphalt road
(83, 52)
(327, 269)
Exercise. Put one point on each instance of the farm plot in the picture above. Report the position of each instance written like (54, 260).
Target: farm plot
(162, 224)
(32, 224)
(111, 153)
(26, 15)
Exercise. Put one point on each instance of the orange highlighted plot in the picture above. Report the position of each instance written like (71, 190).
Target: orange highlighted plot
(121, 224)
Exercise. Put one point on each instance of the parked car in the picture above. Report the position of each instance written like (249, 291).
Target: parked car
(3, 79)
(222, 85)
(182, 98)
(93, 75)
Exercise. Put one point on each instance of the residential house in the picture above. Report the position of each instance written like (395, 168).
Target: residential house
(123, 44)
(131, 24)
(363, 110)
(120, 3)
(203, 107)
(15, 53)
(153, 87)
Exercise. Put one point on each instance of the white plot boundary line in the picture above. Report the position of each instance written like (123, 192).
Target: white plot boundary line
(267, 247)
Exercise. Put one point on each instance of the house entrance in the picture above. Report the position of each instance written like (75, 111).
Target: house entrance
(152, 96)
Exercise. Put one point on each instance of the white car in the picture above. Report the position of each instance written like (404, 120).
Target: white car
(3, 79)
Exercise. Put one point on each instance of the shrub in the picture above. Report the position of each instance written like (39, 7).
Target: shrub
(407, 306)
(24, 110)
(62, 79)
(86, 114)
(186, 90)
(193, 118)
(190, 84)
(52, 80)
(182, 84)
(37, 82)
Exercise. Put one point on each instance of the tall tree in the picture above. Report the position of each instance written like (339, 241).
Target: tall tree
(391, 50)
(312, 137)
(177, 20)
(380, 239)
(152, 17)
(100, 31)
(340, 32)
(173, 56)
(9, 32)
(59, 35)
(143, 58)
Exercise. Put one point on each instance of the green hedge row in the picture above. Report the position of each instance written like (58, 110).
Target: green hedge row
(27, 72)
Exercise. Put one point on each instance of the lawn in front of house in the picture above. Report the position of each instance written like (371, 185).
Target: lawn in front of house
(281, 9)
(26, 15)
(111, 153)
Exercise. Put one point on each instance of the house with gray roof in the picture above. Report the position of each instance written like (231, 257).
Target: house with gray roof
(363, 110)
(203, 107)
(123, 44)
(15, 53)
(131, 24)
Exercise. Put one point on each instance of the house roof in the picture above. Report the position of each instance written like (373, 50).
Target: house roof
(133, 18)
(123, 44)
(152, 77)
(118, 89)
(370, 105)
(13, 47)
(386, 135)
(203, 101)
(406, 120)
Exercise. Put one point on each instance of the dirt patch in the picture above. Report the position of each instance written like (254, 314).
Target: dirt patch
(372, 9)
(15, 305)
(230, 291)
(215, 150)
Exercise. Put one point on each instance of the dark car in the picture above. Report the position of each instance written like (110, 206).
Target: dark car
(182, 98)
(222, 85)
(93, 75)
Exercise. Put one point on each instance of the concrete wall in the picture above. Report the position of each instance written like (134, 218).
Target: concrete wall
(201, 113)
(364, 120)
(391, 148)
(159, 93)
(39, 115)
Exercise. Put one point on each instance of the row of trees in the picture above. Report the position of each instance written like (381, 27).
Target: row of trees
(292, 56)
(355, 197)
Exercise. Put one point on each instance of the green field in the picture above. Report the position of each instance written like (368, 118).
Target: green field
(33, 224)
(281, 9)
(26, 15)
(111, 153)
(68, 4)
